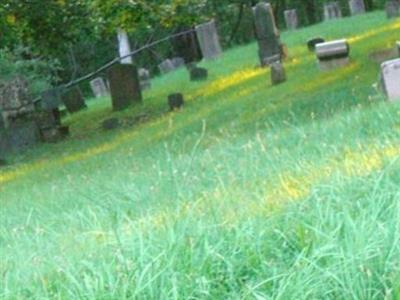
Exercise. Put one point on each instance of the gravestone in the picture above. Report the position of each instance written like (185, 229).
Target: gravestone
(124, 86)
(332, 11)
(278, 74)
(175, 101)
(208, 38)
(392, 9)
(51, 99)
(390, 74)
(198, 74)
(99, 88)
(269, 46)
(178, 62)
(357, 7)
(311, 43)
(124, 47)
(333, 54)
(166, 66)
(291, 19)
(73, 100)
(398, 48)
(144, 78)
(186, 45)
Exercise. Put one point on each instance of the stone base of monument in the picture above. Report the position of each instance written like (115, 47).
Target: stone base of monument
(278, 74)
(390, 79)
(333, 54)
(175, 101)
(198, 74)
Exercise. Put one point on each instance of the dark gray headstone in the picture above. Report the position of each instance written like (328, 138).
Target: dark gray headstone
(187, 45)
(291, 19)
(278, 74)
(332, 11)
(124, 86)
(51, 99)
(311, 43)
(208, 38)
(392, 9)
(198, 74)
(175, 101)
(269, 46)
(357, 7)
(73, 100)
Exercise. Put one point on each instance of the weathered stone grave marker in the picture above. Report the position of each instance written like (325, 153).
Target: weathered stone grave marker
(332, 11)
(390, 73)
(269, 46)
(392, 9)
(144, 78)
(357, 7)
(51, 99)
(124, 86)
(99, 88)
(208, 38)
(178, 62)
(278, 74)
(73, 100)
(291, 19)
(166, 66)
(311, 43)
(175, 101)
(333, 54)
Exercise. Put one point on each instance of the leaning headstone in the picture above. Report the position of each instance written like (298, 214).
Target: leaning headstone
(175, 101)
(124, 47)
(311, 43)
(392, 9)
(208, 38)
(178, 62)
(332, 11)
(198, 74)
(357, 7)
(124, 86)
(291, 19)
(166, 66)
(269, 46)
(144, 78)
(73, 100)
(99, 88)
(390, 72)
(333, 54)
(278, 74)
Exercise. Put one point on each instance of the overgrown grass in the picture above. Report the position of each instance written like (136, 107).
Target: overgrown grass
(250, 192)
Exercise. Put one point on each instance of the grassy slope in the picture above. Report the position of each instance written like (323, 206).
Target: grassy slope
(201, 203)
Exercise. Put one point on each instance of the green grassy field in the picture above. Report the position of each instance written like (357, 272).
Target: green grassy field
(252, 191)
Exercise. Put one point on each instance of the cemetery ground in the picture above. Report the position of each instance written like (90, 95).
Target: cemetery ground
(251, 191)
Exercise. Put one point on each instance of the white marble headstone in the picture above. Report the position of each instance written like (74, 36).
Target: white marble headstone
(390, 72)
